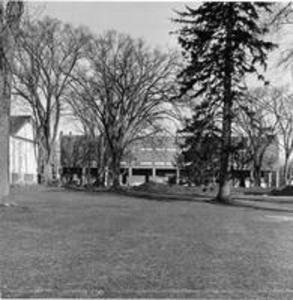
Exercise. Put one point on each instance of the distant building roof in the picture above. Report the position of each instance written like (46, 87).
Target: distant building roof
(17, 122)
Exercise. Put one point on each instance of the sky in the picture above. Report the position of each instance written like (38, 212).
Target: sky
(148, 20)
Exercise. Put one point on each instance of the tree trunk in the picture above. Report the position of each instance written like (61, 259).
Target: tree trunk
(4, 110)
(285, 173)
(116, 177)
(9, 23)
(224, 193)
(224, 179)
(4, 139)
(102, 161)
(40, 166)
(48, 174)
(257, 176)
(116, 172)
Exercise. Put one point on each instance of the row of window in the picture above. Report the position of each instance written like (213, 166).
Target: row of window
(149, 163)
(158, 149)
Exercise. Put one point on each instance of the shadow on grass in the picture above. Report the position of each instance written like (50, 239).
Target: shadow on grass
(165, 197)
(196, 198)
(235, 203)
(76, 189)
(144, 195)
(270, 199)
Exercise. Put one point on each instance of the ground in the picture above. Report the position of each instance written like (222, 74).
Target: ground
(58, 243)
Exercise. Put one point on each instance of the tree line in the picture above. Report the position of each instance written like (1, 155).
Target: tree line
(261, 133)
(121, 89)
(117, 87)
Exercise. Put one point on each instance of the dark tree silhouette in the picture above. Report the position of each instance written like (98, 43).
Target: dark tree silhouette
(222, 42)
(200, 146)
(10, 16)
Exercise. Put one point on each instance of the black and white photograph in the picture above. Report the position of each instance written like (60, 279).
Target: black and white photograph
(146, 150)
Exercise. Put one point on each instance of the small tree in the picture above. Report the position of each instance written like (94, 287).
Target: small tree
(10, 16)
(222, 42)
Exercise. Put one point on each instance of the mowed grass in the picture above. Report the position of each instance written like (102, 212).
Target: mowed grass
(57, 243)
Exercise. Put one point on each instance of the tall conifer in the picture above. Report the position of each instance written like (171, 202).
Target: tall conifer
(222, 42)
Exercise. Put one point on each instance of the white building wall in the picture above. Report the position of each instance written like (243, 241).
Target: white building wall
(23, 160)
(26, 132)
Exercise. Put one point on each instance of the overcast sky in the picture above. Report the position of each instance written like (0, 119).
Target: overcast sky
(148, 20)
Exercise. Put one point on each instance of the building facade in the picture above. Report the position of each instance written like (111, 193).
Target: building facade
(22, 153)
(151, 159)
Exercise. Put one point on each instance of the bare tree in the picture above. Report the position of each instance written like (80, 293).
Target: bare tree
(10, 16)
(81, 152)
(47, 54)
(258, 129)
(281, 109)
(124, 90)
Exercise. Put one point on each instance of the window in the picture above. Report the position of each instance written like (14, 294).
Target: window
(160, 163)
(146, 163)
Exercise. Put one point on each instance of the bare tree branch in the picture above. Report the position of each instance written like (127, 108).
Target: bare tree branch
(125, 90)
(47, 54)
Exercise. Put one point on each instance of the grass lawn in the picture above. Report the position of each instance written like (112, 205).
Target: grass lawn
(58, 243)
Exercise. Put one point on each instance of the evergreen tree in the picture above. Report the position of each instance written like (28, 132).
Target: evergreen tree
(200, 147)
(222, 42)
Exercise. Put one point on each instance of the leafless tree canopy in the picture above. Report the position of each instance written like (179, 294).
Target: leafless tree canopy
(255, 124)
(48, 51)
(124, 89)
(280, 108)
